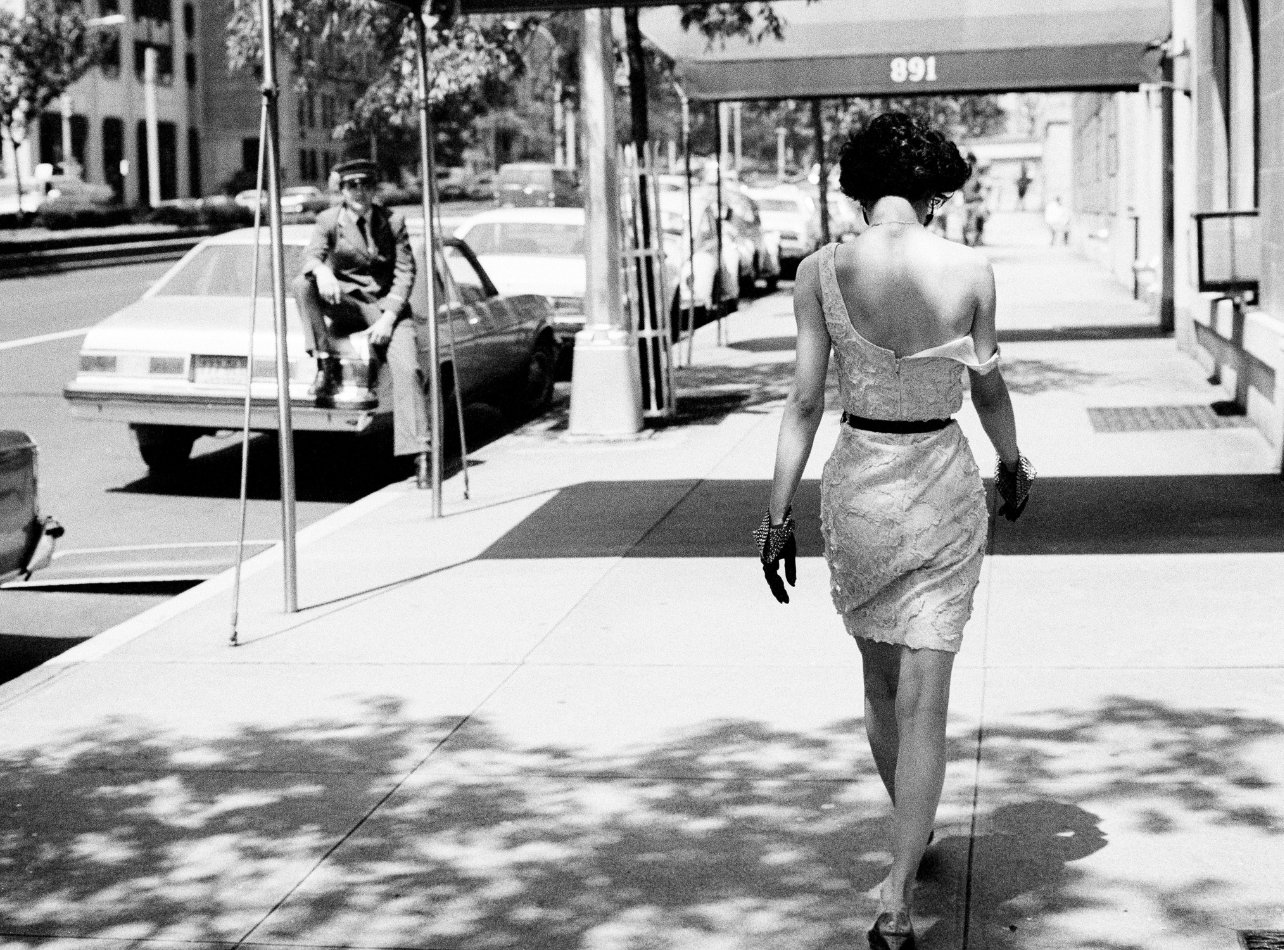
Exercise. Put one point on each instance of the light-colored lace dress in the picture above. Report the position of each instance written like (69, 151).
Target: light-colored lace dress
(903, 514)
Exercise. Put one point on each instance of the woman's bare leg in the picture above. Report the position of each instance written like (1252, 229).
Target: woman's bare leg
(922, 697)
(881, 663)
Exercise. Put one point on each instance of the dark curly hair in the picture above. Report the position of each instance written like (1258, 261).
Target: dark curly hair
(896, 154)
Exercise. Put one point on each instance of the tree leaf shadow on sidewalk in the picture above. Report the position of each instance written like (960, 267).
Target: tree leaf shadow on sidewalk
(733, 834)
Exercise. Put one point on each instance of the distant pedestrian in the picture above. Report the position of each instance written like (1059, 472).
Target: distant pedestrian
(903, 510)
(1057, 217)
(1023, 183)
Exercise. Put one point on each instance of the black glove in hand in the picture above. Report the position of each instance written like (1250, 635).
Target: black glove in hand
(1013, 486)
(775, 544)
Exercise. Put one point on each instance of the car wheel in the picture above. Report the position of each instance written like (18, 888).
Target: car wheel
(533, 389)
(165, 449)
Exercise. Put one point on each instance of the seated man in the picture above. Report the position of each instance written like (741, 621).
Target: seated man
(357, 274)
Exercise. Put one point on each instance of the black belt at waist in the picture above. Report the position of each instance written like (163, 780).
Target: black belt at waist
(895, 425)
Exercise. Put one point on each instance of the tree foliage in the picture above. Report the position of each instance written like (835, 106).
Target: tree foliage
(43, 50)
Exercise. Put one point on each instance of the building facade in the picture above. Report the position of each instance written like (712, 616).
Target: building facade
(1238, 144)
(207, 115)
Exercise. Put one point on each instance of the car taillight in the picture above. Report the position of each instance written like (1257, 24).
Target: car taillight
(97, 363)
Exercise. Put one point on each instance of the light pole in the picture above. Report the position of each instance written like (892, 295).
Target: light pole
(153, 132)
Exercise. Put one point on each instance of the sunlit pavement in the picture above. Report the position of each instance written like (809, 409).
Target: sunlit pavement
(569, 714)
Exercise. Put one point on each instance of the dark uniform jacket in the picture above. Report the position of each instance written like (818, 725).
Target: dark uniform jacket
(381, 274)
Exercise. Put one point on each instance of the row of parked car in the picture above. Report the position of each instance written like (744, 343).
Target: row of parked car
(173, 365)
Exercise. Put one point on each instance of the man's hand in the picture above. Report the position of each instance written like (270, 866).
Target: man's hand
(381, 329)
(327, 284)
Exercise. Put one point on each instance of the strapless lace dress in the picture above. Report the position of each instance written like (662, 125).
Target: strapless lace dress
(903, 514)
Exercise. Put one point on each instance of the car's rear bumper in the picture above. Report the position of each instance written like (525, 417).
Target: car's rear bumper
(213, 412)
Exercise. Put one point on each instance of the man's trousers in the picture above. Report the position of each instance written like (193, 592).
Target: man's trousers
(404, 381)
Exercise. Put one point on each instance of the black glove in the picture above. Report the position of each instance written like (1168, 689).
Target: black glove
(775, 544)
(1013, 486)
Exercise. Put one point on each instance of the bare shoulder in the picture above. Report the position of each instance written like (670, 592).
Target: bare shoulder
(808, 276)
(967, 261)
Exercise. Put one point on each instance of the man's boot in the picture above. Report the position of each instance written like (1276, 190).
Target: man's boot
(328, 381)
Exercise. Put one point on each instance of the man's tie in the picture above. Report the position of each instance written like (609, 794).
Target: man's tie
(364, 228)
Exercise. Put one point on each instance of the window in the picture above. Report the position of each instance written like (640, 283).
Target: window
(189, 20)
(189, 68)
(227, 270)
(110, 63)
(114, 154)
(108, 7)
(164, 62)
(472, 289)
(250, 154)
(159, 10)
(167, 138)
(194, 162)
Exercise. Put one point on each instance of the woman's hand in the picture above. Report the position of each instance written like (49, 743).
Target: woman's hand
(1013, 485)
(775, 544)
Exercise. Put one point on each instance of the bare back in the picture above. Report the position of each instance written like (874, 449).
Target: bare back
(908, 290)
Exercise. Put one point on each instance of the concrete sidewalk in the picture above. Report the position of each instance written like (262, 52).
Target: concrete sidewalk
(569, 714)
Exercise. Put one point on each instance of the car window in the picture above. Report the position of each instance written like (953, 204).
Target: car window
(472, 288)
(779, 204)
(227, 270)
(525, 176)
(534, 238)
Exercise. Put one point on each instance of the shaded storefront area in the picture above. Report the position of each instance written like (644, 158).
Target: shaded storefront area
(1173, 89)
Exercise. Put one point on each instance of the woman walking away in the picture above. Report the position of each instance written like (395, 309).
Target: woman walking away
(902, 505)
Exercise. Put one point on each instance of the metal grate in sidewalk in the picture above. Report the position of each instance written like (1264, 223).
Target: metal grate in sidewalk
(1160, 418)
(1262, 939)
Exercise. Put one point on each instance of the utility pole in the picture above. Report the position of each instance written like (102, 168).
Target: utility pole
(736, 136)
(606, 389)
(153, 135)
(781, 132)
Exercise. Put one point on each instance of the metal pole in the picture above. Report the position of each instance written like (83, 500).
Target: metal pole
(719, 132)
(1168, 260)
(153, 135)
(818, 123)
(285, 437)
(737, 138)
(559, 146)
(67, 156)
(780, 153)
(691, 226)
(434, 364)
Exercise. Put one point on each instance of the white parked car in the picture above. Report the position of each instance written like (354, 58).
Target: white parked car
(294, 200)
(173, 364)
(541, 251)
(790, 213)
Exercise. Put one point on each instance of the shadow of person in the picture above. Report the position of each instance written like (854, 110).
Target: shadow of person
(1015, 867)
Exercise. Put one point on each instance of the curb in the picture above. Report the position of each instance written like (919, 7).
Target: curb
(96, 255)
(103, 643)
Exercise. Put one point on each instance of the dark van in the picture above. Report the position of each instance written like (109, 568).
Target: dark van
(537, 185)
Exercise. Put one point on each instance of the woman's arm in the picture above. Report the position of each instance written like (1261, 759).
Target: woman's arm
(806, 401)
(989, 391)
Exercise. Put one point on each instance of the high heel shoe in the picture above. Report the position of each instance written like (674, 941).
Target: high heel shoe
(892, 932)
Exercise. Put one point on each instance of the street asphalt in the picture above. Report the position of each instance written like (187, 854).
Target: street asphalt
(569, 713)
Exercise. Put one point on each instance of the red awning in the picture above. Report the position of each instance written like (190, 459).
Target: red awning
(835, 48)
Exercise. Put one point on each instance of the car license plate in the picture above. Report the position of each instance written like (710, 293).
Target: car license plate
(222, 370)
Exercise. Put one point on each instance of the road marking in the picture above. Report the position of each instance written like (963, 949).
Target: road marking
(43, 338)
(173, 546)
